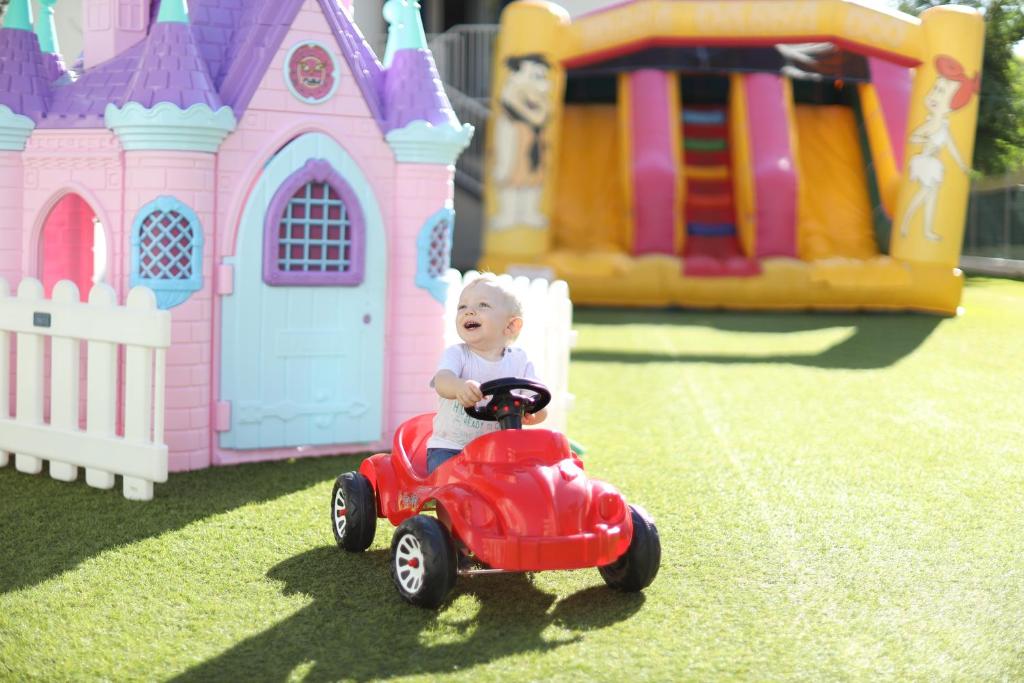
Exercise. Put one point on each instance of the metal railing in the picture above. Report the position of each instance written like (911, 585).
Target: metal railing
(464, 56)
(995, 218)
(469, 169)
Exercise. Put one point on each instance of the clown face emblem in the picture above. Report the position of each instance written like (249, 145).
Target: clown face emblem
(312, 74)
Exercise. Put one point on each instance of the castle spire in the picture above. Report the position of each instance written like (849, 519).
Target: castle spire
(19, 15)
(46, 29)
(405, 28)
(173, 11)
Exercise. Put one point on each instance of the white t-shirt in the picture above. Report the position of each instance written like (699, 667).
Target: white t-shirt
(452, 427)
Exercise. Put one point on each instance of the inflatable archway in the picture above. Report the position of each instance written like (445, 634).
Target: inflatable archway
(732, 154)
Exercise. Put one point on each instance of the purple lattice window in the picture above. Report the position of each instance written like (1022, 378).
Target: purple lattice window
(440, 249)
(167, 251)
(165, 247)
(314, 233)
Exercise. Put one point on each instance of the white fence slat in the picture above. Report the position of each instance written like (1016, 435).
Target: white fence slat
(159, 392)
(30, 350)
(5, 371)
(101, 404)
(138, 394)
(64, 376)
(101, 376)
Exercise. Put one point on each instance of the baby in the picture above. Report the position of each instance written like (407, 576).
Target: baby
(488, 320)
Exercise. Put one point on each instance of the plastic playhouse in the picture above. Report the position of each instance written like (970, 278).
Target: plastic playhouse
(733, 154)
(285, 194)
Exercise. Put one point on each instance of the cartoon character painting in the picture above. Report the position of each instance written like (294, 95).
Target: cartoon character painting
(519, 157)
(311, 72)
(952, 90)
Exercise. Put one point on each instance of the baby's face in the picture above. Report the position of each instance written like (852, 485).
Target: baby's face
(483, 317)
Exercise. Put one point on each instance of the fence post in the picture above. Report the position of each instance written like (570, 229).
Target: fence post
(64, 376)
(138, 393)
(30, 377)
(101, 412)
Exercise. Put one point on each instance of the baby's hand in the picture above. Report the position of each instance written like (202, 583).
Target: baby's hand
(535, 418)
(469, 394)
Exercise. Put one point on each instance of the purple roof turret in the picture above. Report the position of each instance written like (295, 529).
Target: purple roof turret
(421, 125)
(171, 69)
(171, 102)
(413, 91)
(24, 87)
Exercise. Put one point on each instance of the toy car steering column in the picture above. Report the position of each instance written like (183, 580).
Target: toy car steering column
(507, 408)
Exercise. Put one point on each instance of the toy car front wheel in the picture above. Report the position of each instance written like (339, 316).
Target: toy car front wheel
(353, 512)
(637, 567)
(423, 561)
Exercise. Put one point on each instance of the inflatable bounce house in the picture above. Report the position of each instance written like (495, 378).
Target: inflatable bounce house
(732, 154)
(285, 194)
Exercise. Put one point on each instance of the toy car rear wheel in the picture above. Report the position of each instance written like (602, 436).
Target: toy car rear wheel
(423, 561)
(637, 567)
(353, 512)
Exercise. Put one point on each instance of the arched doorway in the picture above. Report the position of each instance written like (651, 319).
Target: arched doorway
(72, 246)
(302, 336)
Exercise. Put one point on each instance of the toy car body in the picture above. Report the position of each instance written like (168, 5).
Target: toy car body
(512, 500)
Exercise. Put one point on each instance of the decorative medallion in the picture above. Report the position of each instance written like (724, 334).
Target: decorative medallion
(311, 72)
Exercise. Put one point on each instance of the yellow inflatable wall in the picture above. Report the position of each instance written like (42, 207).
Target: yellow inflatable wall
(561, 192)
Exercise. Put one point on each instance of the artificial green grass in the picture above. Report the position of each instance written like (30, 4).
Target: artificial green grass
(839, 497)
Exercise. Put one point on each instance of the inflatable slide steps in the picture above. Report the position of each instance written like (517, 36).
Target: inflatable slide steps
(712, 246)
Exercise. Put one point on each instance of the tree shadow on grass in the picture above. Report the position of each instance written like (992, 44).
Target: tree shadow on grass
(878, 340)
(357, 628)
(48, 527)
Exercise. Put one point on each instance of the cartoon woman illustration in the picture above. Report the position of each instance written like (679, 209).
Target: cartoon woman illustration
(952, 90)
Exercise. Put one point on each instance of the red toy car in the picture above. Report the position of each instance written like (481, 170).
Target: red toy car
(513, 500)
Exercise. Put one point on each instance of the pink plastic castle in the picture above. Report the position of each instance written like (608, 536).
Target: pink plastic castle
(285, 194)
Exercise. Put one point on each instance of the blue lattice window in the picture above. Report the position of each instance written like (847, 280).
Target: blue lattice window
(434, 246)
(314, 232)
(167, 251)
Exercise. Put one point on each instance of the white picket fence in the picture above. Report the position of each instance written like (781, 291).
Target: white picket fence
(140, 455)
(547, 335)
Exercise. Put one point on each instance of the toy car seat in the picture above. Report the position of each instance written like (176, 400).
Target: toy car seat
(410, 450)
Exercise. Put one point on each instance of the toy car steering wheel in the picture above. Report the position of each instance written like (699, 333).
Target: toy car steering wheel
(507, 408)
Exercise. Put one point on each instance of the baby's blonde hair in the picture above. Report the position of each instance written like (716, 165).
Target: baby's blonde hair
(512, 300)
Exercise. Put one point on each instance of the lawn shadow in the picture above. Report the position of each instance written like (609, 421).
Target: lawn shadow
(357, 628)
(879, 339)
(49, 527)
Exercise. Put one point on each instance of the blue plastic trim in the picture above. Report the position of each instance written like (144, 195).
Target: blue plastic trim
(19, 15)
(173, 11)
(15, 130)
(167, 126)
(420, 142)
(169, 293)
(435, 283)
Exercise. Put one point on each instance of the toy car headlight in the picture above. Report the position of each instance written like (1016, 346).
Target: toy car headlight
(610, 506)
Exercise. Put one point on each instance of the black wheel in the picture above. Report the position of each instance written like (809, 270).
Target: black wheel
(638, 566)
(423, 561)
(353, 512)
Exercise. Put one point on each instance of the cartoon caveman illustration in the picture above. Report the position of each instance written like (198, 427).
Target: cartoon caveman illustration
(951, 91)
(518, 142)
